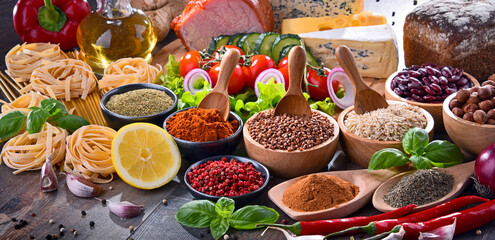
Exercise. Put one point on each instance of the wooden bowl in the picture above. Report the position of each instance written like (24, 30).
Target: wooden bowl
(470, 136)
(435, 109)
(282, 163)
(359, 150)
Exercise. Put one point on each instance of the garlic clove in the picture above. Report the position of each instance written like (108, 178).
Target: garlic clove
(125, 209)
(48, 180)
(82, 187)
(442, 233)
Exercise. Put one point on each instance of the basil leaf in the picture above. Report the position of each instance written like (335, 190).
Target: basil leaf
(415, 140)
(443, 154)
(36, 119)
(196, 214)
(54, 107)
(71, 122)
(10, 124)
(219, 227)
(387, 157)
(249, 216)
(225, 207)
(420, 162)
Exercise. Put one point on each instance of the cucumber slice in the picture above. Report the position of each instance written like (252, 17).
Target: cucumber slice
(281, 41)
(246, 43)
(263, 44)
(285, 51)
(311, 60)
(217, 42)
(234, 39)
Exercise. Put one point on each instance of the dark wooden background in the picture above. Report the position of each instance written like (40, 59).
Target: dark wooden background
(20, 195)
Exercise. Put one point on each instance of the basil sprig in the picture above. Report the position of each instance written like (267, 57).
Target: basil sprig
(423, 155)
(50, 110)
(220, 216)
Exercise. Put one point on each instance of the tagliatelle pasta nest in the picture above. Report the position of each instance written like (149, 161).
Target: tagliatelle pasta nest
(89, 153)
(31, 99)
(128, 70)
(64, 79)
(23, 59)
(29, 151)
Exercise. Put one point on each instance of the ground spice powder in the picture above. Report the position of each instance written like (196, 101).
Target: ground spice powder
(317, 192)
(200, 125)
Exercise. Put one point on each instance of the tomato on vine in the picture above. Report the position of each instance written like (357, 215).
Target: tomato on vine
(259, 63)
(189, 62)
(317, 84)
(237, 81)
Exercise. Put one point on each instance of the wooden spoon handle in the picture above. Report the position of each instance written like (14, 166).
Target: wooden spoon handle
(297, 63)
(346, 61)
(227, 67)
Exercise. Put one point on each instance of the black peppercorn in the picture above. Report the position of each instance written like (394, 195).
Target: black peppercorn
(13, 219)
(60, 226)
(48, 237)
(17, 226)
(83, 212)
(91, 224)
(23, 223)
(31, 237)
(103, 201)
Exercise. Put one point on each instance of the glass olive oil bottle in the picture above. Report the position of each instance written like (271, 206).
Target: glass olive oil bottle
(114, 31)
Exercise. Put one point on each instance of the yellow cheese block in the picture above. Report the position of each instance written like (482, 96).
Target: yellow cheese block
(315, 24)
(283, 9)
(374, 48)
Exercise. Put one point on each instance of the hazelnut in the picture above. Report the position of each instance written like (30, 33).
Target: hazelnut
(480, 117)
(473, 89)
(474, 98)
(458, 112)
(455, 104)
(492, 89)
(493, 101)
(484, 93)
(486, 105)
(470, 108)
(491, 121)
(490, 81)
(462, 95)
(468, 116)
(491, 114)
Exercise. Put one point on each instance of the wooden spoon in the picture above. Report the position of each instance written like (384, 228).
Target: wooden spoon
(365, 98)
(462, 175)
(366, 181)
(294, 103)
(218, 97)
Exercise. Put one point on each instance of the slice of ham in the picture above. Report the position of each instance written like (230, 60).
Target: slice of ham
(202, 20)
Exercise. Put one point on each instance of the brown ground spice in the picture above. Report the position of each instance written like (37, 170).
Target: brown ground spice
(317, 192)
(200, 125)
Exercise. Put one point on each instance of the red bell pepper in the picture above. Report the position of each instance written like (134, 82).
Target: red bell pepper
(47, 21)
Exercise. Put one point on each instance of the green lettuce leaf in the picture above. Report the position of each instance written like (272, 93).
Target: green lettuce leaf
(326, 106)
(172, 79)
(189, 100)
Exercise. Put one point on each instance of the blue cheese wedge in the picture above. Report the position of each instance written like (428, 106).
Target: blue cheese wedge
(283, 9)
(374, 48)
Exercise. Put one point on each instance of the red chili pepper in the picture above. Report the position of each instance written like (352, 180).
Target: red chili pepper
(47, 21)
(323, 227)
(466, 220)
(378, 227)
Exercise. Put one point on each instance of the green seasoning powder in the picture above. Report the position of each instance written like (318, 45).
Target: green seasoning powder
(421, 187)
(141, 102)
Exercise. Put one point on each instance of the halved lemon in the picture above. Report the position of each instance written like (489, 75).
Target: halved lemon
(145, 156)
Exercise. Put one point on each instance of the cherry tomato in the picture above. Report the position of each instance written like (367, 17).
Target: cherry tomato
(237, 81)
(320, 92)
(259, 63)
(189, 62)
(335, 85)
(284, 63)
(227, 47)
(285, 73)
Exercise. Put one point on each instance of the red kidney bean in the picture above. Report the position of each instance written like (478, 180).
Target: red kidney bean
(402, 87)
(407, 94)
(418, 92)
(450, 90)
(435, 87)
(434, 79)
(446, 72)
(443, 80)
(429, 90)
(414, 86)
(398, 91)
(429, 98)
(417, 98)
(415, 74)
(462, 82)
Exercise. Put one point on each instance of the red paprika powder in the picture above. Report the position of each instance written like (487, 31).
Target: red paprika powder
(200, 125)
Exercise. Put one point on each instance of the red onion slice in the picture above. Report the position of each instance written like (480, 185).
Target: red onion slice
(339, 75)
(192, 77)
(265, 76)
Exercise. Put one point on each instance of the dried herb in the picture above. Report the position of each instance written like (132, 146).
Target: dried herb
(421, 187)
(141, 102)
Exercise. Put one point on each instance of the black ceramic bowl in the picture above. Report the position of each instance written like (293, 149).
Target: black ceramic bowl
(194, 151)
(116, 121)
(240, 200)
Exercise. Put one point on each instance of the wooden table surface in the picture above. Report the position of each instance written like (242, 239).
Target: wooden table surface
(20, 196)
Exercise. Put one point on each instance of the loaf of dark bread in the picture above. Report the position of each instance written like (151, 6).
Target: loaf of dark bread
(458, 33)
